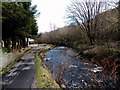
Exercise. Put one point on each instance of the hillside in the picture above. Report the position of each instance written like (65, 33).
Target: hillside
(108, 24)
(106, 29)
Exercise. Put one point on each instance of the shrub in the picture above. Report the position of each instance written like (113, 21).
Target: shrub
(5, 50)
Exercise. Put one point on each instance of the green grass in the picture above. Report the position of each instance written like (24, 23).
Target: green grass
(42, 75)
(5, 50)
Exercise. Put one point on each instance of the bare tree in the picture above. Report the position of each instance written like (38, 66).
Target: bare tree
(85, 14)
(53, 26)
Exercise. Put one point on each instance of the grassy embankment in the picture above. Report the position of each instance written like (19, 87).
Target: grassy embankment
(42, 75)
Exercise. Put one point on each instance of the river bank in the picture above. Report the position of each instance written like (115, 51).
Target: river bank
(69, 71)
(43, 78)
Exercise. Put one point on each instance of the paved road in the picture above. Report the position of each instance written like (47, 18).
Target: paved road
(21, 75)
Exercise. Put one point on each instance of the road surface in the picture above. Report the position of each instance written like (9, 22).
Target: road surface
(21, 75)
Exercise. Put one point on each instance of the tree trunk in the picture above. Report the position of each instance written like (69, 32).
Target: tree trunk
(13, 43)
(91, 41)
(5, 43)
(23, 42)
(19, 44)
(9, 44)
(119, 21)
(27, 42)
(2, 44)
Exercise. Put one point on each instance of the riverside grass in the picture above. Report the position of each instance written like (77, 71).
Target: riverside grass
(42, 75)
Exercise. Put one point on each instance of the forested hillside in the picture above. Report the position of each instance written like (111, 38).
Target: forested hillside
(106, 30)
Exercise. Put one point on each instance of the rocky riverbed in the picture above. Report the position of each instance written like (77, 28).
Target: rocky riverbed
(71, 72)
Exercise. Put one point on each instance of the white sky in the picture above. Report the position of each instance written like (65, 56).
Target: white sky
(51, 11)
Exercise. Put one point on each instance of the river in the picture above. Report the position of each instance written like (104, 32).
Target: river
(71, 72)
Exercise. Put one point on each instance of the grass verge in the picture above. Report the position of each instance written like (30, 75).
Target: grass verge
(42, 75)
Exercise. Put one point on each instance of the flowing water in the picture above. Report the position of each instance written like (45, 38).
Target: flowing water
(71, 72)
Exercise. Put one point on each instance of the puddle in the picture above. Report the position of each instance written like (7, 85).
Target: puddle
(27, 68)
(12, 74)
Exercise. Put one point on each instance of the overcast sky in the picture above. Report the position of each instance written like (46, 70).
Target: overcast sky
(51, 12)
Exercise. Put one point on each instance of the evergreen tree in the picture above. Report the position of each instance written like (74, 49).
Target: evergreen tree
(18, 21)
